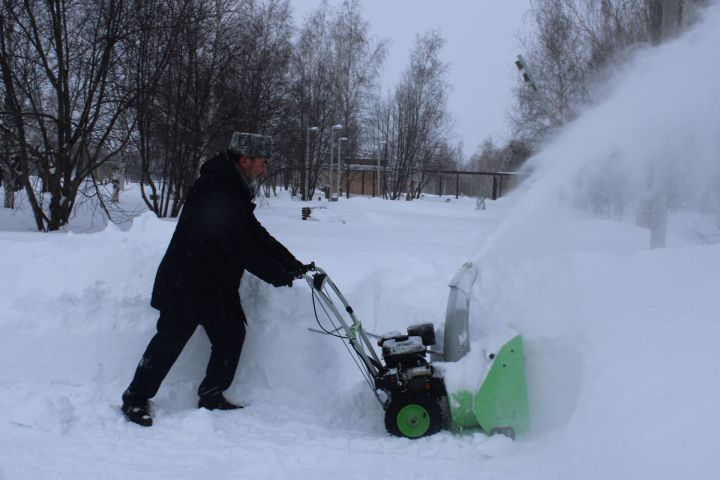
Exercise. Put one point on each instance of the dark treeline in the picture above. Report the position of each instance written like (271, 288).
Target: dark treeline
(157, 87)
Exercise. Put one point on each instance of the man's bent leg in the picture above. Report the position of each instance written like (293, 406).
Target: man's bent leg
(173, 332)
(227, 335)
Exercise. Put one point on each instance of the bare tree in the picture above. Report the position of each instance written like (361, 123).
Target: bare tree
(8, 163)
(150, 48)
(64, 94)
(576, 44)
(179, 111)
(256, 82)
(573, 44)
(206, 69)
(356, 65)
(312, 96)
(334, 73)
(414, 123)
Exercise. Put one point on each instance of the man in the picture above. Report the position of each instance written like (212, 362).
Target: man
(216, 239)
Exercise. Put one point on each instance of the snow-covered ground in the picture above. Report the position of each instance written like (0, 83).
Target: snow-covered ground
(75, 320)
(620, 349)
(621, 340)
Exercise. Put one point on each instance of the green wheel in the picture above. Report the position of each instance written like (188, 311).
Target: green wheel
(413, 415)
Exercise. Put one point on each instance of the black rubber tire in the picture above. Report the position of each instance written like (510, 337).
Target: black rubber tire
(426, 402)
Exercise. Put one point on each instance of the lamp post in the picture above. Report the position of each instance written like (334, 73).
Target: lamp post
(340, 165)
(383, 145)
(306, 185)
(532, 84)
(330, 167)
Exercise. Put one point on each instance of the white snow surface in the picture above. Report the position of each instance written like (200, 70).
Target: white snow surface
(621, 341)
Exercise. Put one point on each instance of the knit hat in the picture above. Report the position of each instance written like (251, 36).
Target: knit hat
(251, 145)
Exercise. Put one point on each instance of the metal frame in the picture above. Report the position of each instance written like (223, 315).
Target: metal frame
(363, 347)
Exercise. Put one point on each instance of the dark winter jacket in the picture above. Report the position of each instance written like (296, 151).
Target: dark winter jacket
(216, 239)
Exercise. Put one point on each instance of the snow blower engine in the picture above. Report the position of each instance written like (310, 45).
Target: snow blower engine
(415, 391)
(410, 389)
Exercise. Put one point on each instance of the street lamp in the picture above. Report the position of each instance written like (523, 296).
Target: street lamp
(306, 186)
(340, 165)
(530, 81)
(330, 167)
(525, 70)
(383, 145)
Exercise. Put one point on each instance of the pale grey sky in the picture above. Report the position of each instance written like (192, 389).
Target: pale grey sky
(481, 49)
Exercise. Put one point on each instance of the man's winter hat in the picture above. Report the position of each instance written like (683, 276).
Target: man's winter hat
(251, 145)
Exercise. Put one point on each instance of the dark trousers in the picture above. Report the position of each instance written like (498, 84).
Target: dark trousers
(226, 331)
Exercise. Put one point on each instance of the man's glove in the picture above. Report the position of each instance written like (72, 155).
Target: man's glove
(294, 265)
(285, 280)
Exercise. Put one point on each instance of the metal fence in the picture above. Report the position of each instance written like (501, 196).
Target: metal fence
(471, 184)
(363, 180)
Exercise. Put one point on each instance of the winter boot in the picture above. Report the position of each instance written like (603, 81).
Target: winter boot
(217, 402)
(137, 412)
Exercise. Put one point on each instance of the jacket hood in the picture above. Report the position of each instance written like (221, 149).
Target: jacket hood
(223, 166)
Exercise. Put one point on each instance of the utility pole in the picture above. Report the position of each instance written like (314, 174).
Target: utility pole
(671, 18)
(331, 197)
(377, 174)
(306, 170)
(6, 164)
(341, 166)
(656, 206)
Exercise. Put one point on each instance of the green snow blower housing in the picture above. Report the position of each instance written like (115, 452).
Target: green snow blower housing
(412, 390)
(500, 405)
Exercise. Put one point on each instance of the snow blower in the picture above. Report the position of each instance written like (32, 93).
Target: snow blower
(410, 383)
